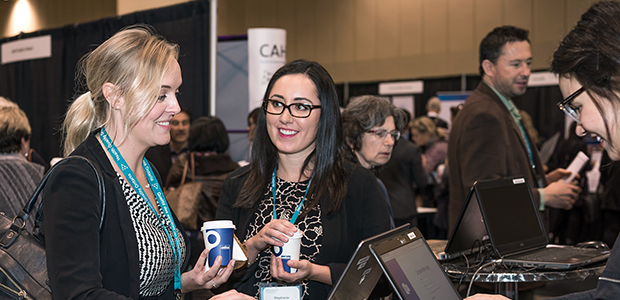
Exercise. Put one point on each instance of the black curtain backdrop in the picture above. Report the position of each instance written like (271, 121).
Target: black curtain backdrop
(44, 88)
(539, 102)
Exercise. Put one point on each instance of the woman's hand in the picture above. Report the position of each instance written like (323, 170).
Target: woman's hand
(199, 278)
(232, 295)
(305, 270)
(275, 233)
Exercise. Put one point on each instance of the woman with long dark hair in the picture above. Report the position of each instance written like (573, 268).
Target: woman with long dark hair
(298, 179)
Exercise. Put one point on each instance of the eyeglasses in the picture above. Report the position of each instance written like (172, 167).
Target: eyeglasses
(297, 110)
(382, 133)
(569, 109)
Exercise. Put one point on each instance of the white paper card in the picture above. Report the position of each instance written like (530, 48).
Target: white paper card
(238, 254)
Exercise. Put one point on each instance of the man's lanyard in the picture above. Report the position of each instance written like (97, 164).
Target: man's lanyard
(299, 206)
(159, 195)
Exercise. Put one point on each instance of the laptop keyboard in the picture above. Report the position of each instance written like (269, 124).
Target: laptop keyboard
(554, 254)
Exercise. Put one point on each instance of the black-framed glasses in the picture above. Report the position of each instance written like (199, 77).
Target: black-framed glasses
(297, 110)
(382, 133)
(569, 109)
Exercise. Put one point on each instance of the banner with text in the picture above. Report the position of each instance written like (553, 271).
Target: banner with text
(266, 54)
(27, 49)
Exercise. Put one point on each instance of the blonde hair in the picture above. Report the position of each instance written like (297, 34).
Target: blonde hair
(4, 102)
(424, 124)
(135, 60)
(14, 126)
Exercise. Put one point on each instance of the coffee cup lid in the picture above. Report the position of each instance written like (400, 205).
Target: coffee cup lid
(217, 224)
(298, 234)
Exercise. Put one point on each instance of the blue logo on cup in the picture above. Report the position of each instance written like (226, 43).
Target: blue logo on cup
(285, 259)
(277, 251)
(219, 242)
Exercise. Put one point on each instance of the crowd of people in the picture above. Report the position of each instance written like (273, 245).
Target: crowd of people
(336, 174)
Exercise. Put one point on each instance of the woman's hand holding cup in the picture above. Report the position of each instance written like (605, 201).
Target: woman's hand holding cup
(275, 233)
(202, 277)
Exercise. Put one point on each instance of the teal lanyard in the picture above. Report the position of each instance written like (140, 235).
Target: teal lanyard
(159, 195)
(299, 206)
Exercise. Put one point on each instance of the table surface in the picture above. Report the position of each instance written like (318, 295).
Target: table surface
(499, 273)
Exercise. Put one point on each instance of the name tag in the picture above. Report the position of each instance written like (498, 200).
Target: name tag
(280, 293)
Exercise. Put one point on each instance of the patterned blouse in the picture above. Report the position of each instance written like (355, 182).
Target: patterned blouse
(154, 250)
(288, 196)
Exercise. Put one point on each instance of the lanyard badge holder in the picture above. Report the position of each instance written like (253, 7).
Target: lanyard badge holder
(271, 290)
(172, 236)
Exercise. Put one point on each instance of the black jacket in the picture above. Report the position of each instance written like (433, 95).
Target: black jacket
(83, 261)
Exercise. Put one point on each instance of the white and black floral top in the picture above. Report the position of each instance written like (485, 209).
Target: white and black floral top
(154, 250)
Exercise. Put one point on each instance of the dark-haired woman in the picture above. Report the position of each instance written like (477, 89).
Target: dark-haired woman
(298, 179)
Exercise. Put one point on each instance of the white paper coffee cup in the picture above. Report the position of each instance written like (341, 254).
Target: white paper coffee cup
(290, 251)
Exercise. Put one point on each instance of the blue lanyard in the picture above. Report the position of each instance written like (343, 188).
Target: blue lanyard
(159, 195)
(299, 206)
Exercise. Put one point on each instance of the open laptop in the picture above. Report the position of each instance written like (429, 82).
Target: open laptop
(516, 233)
(469, 235)
(411, 267)
(362, 272)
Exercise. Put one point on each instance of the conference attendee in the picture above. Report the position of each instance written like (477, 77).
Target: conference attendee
(432, 141)
(208, 143)
(403, 175)
(140, 250)
(433, 108)
(372, 126)
(588, 64)
(252, 119)
(487, 139)
(31, 154)
(298, 179)
(18, 177)
(163, 156)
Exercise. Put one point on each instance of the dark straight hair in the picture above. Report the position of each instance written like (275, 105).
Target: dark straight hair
(590, 53)
(328, 163)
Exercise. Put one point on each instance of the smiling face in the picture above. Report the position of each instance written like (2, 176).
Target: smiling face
(591, 118)
(294, 137)
(509, 75)
(376, 151)
(154, 129)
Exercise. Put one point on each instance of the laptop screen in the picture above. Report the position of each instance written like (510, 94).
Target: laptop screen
(510, 215)
(469, 233)
(413, 269)
(362, 272)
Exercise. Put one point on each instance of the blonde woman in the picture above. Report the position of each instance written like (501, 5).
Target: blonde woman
(141, 250)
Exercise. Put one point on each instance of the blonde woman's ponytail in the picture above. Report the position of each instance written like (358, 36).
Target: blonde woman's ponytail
(80, 120)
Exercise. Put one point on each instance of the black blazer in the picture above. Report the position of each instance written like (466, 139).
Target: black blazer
(83, 261)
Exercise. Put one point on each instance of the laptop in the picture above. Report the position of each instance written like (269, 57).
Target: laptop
(411, 267)
(362, 272)
(469, 235)
(515, 231)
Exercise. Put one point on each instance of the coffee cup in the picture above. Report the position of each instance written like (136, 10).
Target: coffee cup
(289, 251)
(218, 237)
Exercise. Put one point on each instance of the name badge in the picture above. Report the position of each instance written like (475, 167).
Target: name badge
(280, 293)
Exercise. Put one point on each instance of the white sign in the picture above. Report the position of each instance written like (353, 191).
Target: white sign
(27, 49)
(266, 54)
(543, 79)
(400, 88)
